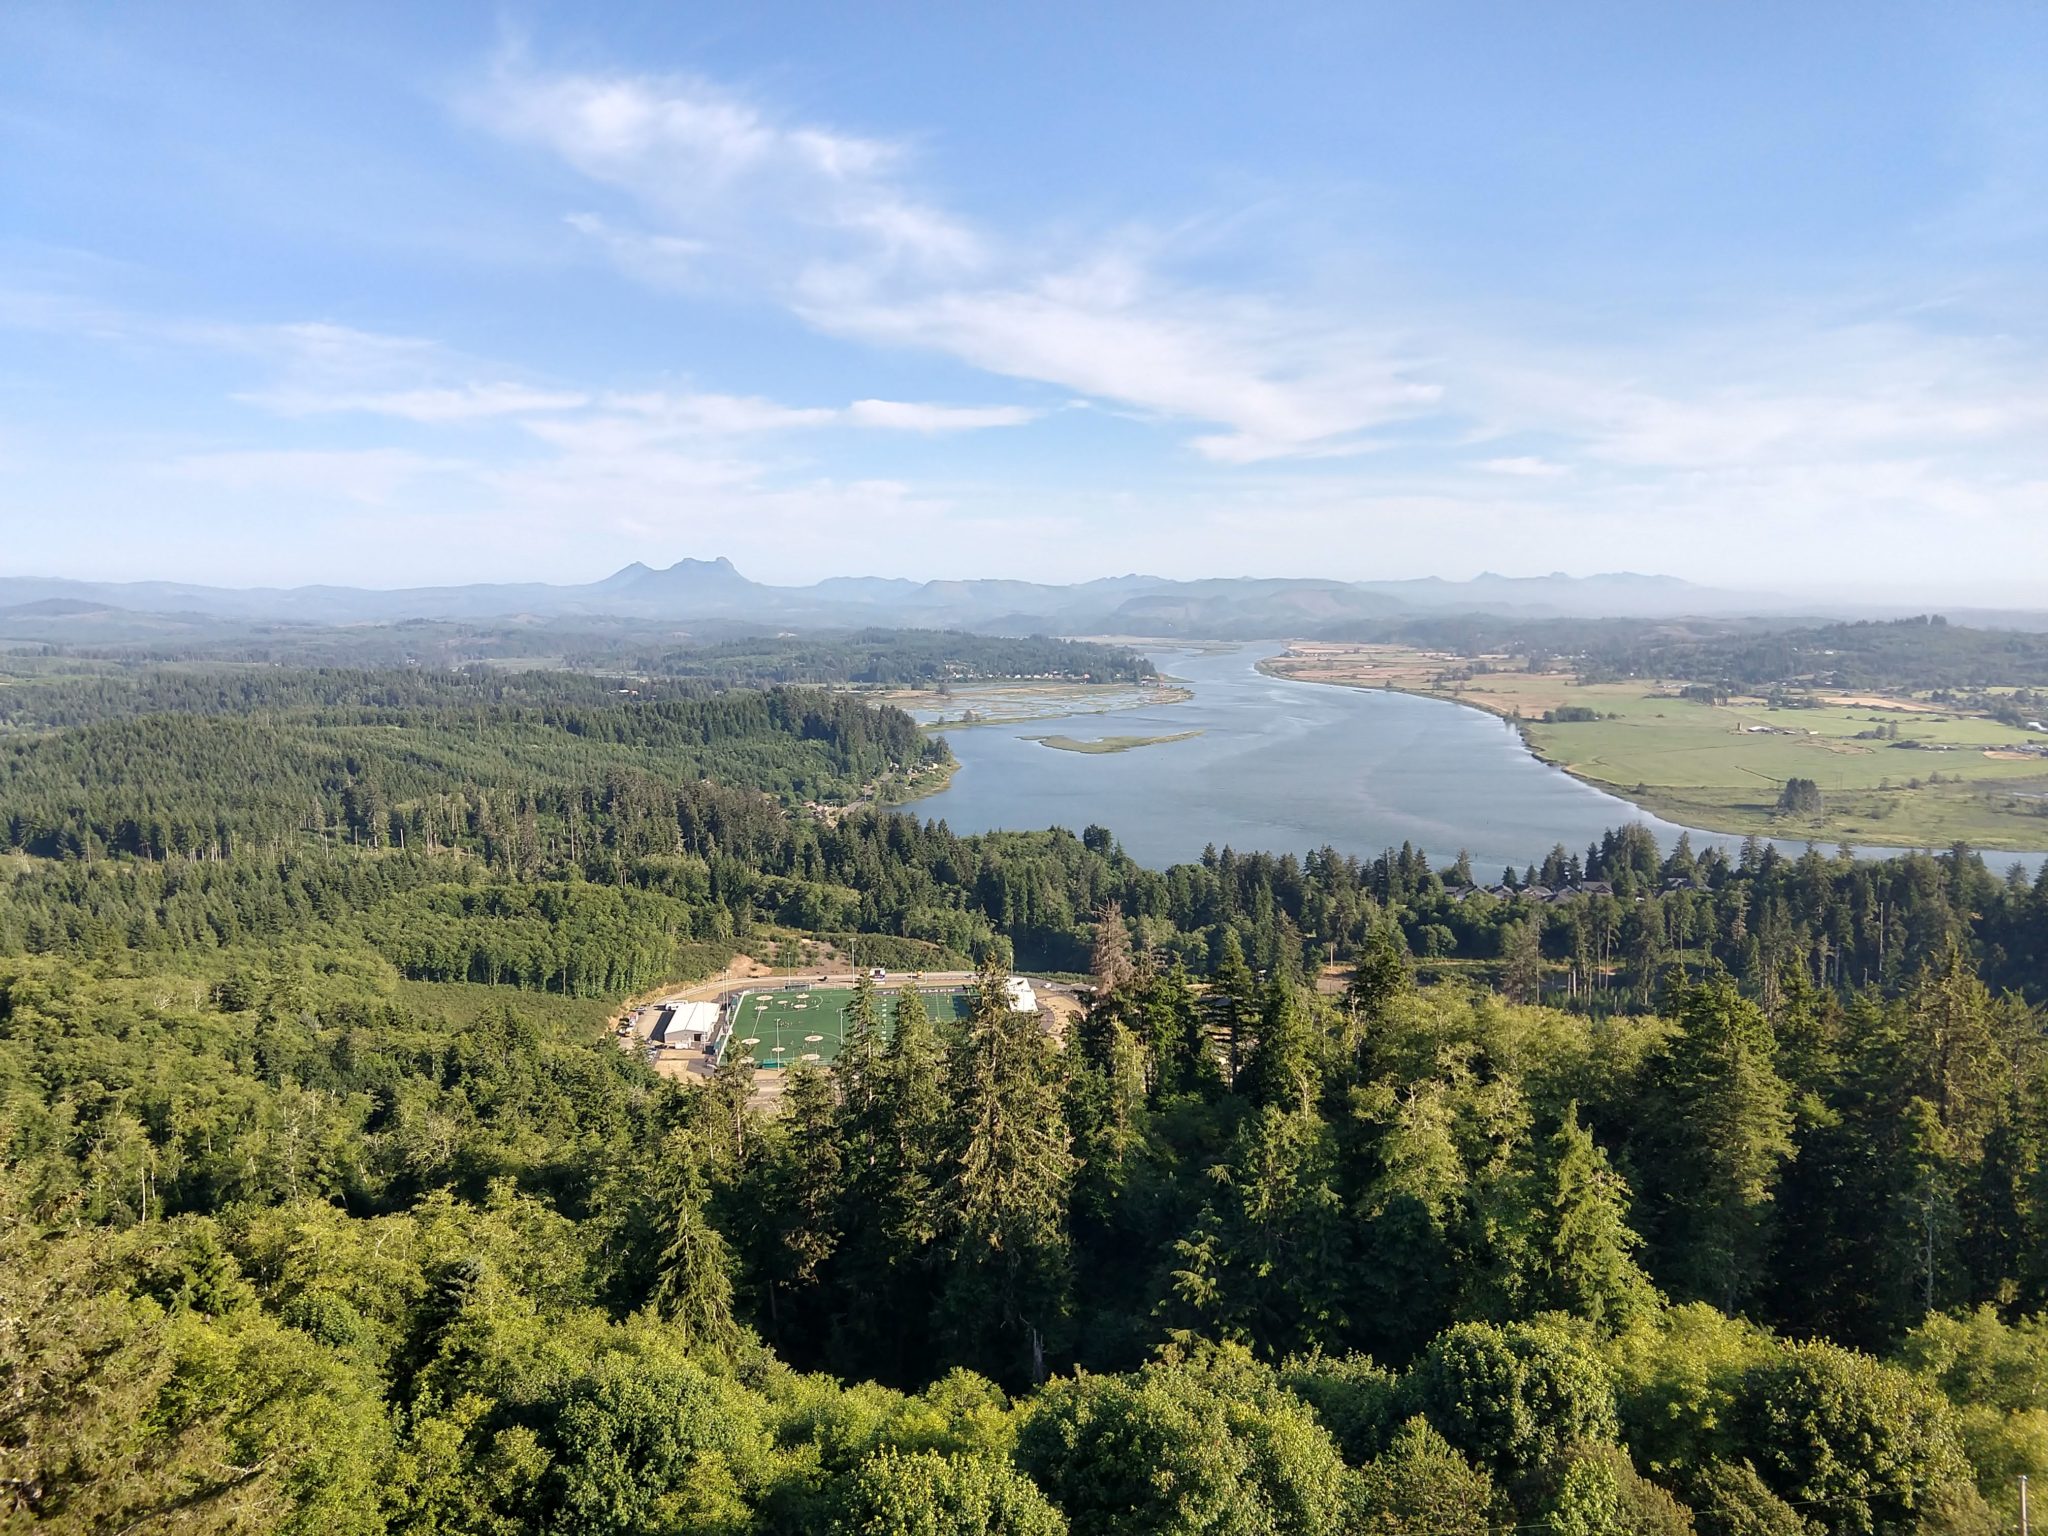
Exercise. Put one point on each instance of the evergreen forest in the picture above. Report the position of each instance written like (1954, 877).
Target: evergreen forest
(1635, 1190)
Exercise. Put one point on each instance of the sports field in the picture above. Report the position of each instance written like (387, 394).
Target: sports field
(780, 1029)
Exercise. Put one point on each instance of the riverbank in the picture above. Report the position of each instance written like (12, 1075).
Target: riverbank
(932, 779)
(1892, 772)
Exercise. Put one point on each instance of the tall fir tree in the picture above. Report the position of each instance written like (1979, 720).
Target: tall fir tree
(1586, 1245)
(1233, 1001)
(798, 1210)
(693, 1276)
(1109, 961)
(1269, 1260)
(1282, 1071)
(1719, 1133)
(1005, 1300)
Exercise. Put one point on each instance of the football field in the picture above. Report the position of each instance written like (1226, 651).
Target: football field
(780, 1029)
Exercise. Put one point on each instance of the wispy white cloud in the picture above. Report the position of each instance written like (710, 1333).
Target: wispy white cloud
(919, 416)
(467, 402)
(369, 475)
(1525, 466)
(629, 421)
(1353, 420)
(719, 170)
(832, 227)
(661, 261)
(1282, 384)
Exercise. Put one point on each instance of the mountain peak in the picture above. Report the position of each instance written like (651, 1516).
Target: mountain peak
(625, 576)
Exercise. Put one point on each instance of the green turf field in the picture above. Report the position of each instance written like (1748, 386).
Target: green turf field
(780, 1029)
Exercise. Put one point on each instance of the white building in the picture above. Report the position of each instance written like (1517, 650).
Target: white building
(689, 1026)
(1022, 998)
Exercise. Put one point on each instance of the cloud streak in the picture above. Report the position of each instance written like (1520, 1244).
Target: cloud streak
(719, 172)
(832, 229)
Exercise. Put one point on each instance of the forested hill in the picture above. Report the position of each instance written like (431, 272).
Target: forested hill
(1638, 1192)
(283, 761)
(320, 696)
(728, 655)
(1922, 654)
(920, 658)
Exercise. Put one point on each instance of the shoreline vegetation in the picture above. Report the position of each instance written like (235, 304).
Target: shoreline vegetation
(1892, 768)
(897, 789)
(1108, 744)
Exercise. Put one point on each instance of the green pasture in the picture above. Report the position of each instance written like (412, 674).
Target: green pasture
(1696, 763)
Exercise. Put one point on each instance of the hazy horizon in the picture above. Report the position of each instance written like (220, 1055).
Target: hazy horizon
(400, 298)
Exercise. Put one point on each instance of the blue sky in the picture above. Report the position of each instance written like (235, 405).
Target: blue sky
(1752, 294)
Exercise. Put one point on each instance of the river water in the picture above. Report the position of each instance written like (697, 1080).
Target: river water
(1286, 767)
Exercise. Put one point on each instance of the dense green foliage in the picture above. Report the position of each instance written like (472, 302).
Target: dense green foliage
(436, 766)
(637, 648)
(917, 658)
(1923, 654)
(328, 1203)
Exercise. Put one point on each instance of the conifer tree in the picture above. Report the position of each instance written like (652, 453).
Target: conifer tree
(732, 1088)
(1382, 977)
(1720, 1132)
(800, 1204)
(693, 1278)
(1416, 1209)
(1174, 1035)
(1268, 1261)
(1004, 1203)
(883, 1272)
(1521, 969)
(1282, 1072)
(1586, 1243)
(912, 1110)
(1110, 962)
(858, 1069)
(1234, 997)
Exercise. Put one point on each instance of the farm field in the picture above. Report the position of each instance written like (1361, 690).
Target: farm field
(1946, 776)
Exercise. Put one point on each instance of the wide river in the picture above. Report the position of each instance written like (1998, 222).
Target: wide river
(1287, 767)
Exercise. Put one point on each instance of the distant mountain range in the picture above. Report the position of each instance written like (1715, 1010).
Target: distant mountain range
(702, 591)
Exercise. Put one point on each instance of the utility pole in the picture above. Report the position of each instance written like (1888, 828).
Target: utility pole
(2023, 1504)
